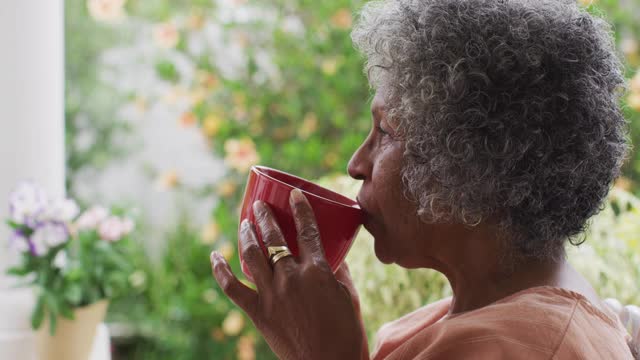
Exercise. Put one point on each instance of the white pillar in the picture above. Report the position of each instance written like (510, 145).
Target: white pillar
(31, 136)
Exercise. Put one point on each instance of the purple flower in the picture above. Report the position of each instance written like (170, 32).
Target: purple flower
(26, 203)
(48, 235)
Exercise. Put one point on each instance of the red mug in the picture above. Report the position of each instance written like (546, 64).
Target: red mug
(338, 217)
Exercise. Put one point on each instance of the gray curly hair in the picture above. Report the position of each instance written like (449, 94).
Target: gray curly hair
(509, 110)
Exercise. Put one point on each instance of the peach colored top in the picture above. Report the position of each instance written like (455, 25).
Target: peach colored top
(537, 323)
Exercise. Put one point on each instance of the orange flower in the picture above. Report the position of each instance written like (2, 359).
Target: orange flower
(342, 19)
(233, 323)
(226, 188)
(210, 233)
(140, 104)
(246, 348)
(211, 125)
(331, 159)
(226, 250)
(106, 10)
(623, 183)
(241, 38)
(188, 119)
(168, 180)
(197, 96)
(195, 21)
(634, 101)
(217, 334)
(240, 154)
(330, 66)
(309, 125)
(206, 79)
(166, 35)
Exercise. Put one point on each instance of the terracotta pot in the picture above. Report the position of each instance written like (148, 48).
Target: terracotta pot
(73, 339)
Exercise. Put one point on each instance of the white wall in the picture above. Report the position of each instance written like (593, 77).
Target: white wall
(31, 134)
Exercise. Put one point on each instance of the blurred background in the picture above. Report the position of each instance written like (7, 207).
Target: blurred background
(169, 102)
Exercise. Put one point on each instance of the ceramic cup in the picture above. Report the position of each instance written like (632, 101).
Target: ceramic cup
(338, 217)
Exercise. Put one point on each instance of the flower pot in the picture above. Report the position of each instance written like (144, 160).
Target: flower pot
(73, 339)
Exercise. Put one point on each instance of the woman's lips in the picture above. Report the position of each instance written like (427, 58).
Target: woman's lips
(365, 214)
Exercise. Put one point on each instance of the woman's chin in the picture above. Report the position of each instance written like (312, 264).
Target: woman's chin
(382, 255)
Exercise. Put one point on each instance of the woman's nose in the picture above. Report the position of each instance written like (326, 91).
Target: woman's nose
(359, 166)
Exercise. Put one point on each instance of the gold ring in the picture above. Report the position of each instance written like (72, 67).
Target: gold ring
(277, 252)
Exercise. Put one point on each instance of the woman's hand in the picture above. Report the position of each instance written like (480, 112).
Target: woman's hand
(300, 308)
(343, 275)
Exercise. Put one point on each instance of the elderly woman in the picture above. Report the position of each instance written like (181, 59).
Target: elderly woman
(496, 134)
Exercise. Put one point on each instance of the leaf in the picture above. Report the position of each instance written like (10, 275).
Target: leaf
(66, 311)
(18, 271)
(38, 313)
(13, 224)
(167, 71)
(52, 303)
(73, 294)
(53, 319)
(53, 307)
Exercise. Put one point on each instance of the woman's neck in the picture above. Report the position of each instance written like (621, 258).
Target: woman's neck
(478, 277)
(475, 289)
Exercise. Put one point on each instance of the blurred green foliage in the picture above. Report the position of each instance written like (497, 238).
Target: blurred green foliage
(92, 125)
(306, 117)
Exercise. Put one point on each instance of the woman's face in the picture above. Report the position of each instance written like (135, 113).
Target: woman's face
(390, 217)
(400, 237)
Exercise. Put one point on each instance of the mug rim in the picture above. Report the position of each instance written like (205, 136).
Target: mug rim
(259, 169)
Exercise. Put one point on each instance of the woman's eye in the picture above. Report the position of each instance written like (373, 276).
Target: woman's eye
(381, 130)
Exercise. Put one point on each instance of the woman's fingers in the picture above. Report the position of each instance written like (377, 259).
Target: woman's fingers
(238, 292)
(309, 242)
(254, 257)
(271, 234)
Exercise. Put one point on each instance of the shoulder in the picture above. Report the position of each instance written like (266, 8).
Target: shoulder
(543, 322)
(525, 325)
(530, 324)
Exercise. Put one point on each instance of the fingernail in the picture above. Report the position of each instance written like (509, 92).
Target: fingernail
(296, 196)
(244, 226)
(257, 207)
(215, 257)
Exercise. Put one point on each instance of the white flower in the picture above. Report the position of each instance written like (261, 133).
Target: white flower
(106, 10)
(91, 218)
(48, 235)
(38, 246)
(60, 261)
(26, 203)
(210, 296)
(112, 229)
(293, 25)
(62, 210)
(138, 279)
(127, 226)
(18, 242)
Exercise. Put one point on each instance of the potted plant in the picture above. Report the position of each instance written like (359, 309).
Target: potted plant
(74, 263)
